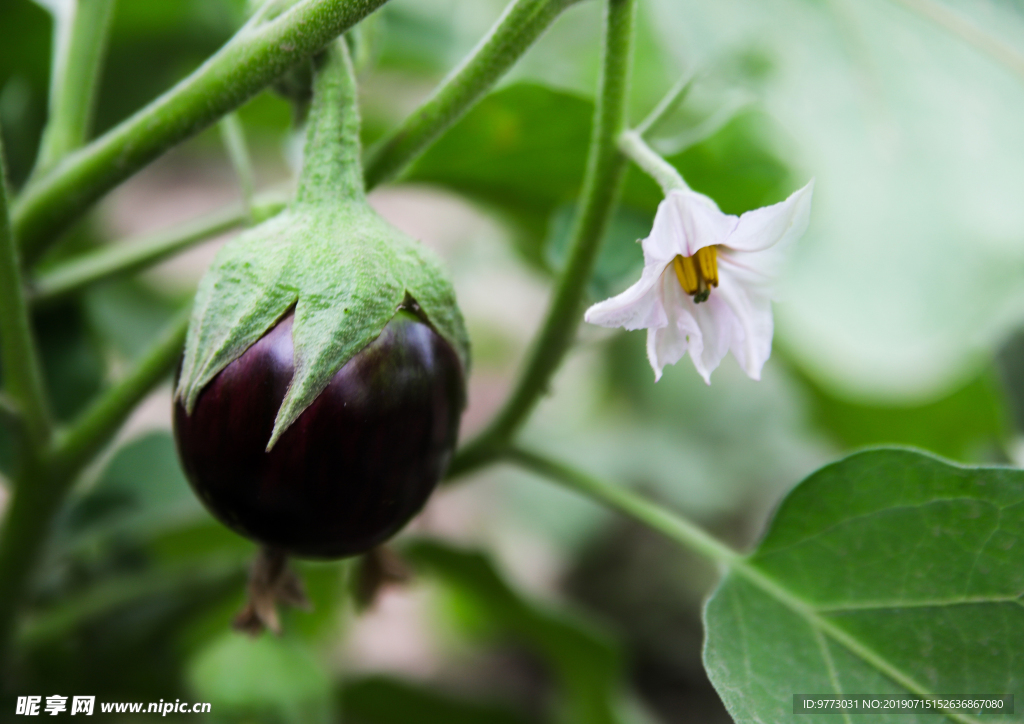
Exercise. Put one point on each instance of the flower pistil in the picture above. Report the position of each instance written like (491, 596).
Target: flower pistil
(697, 274)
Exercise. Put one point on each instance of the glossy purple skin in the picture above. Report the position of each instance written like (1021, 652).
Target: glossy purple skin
(354, 467)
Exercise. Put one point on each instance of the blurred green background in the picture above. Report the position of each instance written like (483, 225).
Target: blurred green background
(896, 326)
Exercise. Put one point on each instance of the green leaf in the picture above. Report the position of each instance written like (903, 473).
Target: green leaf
(267, 678)
(586, 665)
(888, 573)
(385, 700)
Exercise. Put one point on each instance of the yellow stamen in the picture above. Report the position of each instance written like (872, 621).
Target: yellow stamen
(707, 261)
(686, 273)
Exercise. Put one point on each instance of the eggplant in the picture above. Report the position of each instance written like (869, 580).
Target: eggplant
(353, 468)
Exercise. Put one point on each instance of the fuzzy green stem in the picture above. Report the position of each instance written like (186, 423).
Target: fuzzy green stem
(126, 257)
(97, 425)
(601, 184)
(132, 255)
(624, 500)
(19, 359)
(332, 169)
(634, 146)
(516, 30)
(251, 60)
(233, 136)
(80, 41)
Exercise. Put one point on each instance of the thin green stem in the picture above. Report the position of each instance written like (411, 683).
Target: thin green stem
(19, 359)
(126, 257)
(80, 42)
(516, 30)
(676, 95)
(233, 135)
(97, 425)
(633, 145)
(599, 196)
(624, 500)
(251, 60)
(332, 159)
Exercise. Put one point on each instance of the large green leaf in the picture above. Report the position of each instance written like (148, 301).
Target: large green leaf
(886, 574)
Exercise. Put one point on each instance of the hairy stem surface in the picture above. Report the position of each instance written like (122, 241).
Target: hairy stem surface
(133, 255)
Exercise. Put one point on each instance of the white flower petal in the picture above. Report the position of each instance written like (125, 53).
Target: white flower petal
(756, 270)
(686, 221)
(770, 225)
(751, 343)
(719, 329)
(636, 308)
(666, 344)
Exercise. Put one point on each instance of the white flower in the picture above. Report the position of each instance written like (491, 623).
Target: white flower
(706, 284)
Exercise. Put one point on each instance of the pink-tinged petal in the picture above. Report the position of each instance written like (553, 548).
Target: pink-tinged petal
(779, 223)
(755, 270)
(751, 342)
(719, 329)
(686, 221)
(636, 308)
(666, 344)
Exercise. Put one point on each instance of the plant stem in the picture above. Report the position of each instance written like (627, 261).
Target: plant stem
(634, 146)
(97, 425)
(605, 168)
(624, 500)
(332, 168)
(26, 526)
(516, 30)
(252, 59)
(80, 42)
(730, 561)
(19, 359)
(133, 255)
(30, 514)
(233, 135)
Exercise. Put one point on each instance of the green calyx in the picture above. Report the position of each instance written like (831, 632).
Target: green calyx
(344, 269)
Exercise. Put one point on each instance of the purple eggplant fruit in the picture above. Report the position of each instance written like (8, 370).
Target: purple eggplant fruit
(353, 468)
